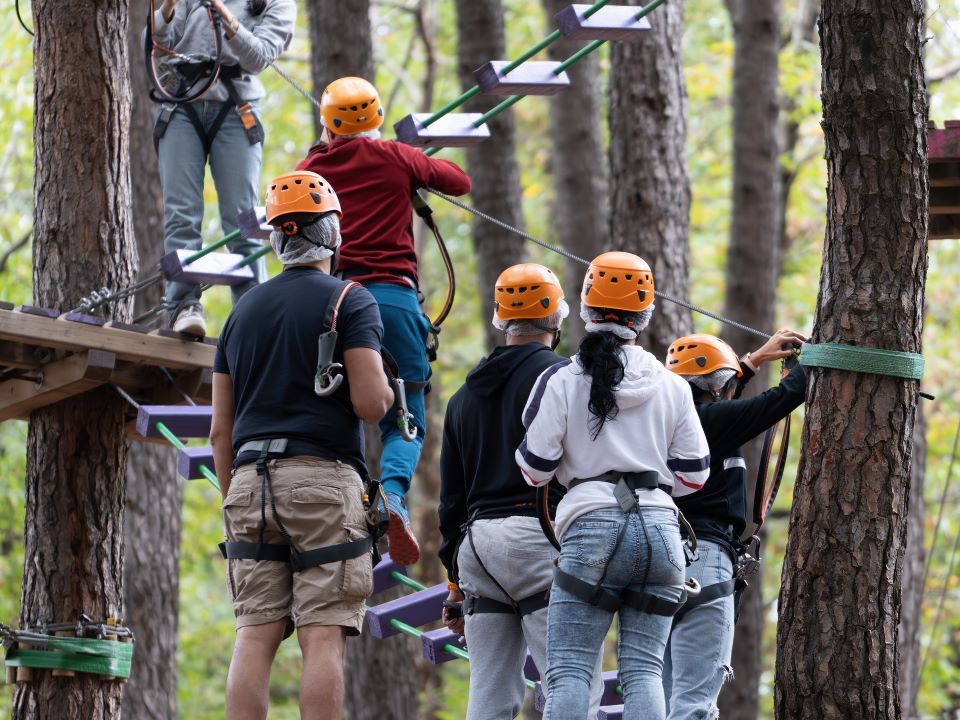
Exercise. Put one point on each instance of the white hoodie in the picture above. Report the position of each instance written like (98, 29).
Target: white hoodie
(656, 428)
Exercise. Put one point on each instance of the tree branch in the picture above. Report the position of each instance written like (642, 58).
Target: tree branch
(5, 257)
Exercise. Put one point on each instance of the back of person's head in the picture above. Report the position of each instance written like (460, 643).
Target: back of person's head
(256, 7)
(528, 301)
(351, 107)
(305, 214)
(616, 304)
(705, 361)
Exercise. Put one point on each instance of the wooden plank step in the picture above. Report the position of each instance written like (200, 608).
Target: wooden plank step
(454, 130)
(611, 22)
(944, 173)
(418, 609)
(55, 382)
(184, 421)
(530, 78)
(46, 331)
(190, 459)
(944, 227)
(435, 640)
(216, 268)
(253, 224)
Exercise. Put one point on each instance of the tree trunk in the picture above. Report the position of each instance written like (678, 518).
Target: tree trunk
(751, 296)
(908, 632)
(76, 453)
(650, 205)
(580, 211)
(340, 42)
(492, 164)
(152, 519)
(841, 585)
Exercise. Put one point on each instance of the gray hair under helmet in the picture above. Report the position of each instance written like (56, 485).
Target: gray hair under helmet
(533, 326)
(595, 322)
(713, 382)
(312, 243)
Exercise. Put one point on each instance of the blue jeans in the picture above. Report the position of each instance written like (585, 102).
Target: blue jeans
(649, 558)
(697, 660)
(235, 166)
(405, 331)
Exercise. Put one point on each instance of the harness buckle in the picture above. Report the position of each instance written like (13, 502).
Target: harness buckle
(408, 431)
(329, 375)
(625, 496)
(747, 565)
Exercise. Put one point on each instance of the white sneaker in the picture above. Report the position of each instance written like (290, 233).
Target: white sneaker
(190, 321)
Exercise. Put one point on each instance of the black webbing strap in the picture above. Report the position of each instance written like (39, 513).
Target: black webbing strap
(393, 370)
(299, 560)
(473, 604)
(645, 480)
(206, 136)
(610, 601)
(707, 594)
(248, 118)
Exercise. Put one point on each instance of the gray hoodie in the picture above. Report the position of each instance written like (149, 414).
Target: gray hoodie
(259, 41)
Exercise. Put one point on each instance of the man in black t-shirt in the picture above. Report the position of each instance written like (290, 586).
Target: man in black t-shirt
(288, 451)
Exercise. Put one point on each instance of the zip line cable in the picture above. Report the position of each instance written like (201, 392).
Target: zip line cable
(16, 4)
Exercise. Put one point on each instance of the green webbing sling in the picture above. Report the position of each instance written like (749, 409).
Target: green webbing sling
(865, 360)
(86, 655)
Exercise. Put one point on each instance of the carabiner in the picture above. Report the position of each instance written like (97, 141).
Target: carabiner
(328, 379)
(692, 587)
(408, 431)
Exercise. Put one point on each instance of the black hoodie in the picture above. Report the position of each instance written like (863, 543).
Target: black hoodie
(481, 431)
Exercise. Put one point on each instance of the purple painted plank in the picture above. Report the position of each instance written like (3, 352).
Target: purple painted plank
(530, 671)
(613, 22)
(434, 642)
(4, 305)
(190, 459)
(184, 421)
(252, 223)
(217, 268)
(455, 130)
(610, 712)
(539, 697)
(144, 329)
(42, 312)
(81, 318)
(531, 78)
(418, 609)
(383, 574)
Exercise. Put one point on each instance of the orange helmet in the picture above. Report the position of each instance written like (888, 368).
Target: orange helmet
(351, 105)
(618, 281)
(527, 292)
(701, 355)
(300, 192)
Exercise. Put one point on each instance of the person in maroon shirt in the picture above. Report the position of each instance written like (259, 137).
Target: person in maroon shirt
(375, 180)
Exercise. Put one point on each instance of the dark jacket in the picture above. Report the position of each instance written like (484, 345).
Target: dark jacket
(481, 431)
(718, 512)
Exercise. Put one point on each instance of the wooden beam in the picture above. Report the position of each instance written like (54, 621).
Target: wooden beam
(59, 380)
(24, 357)
(126, 345)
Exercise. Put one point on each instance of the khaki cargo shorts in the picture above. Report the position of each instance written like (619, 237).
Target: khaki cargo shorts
(320, 504)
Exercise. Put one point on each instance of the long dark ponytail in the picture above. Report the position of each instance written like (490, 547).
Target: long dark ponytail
(255, 7)
(601, 357)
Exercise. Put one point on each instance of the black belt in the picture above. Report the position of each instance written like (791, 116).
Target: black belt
(611, 602)
(707, 594)
(473, 604)
(646, 480)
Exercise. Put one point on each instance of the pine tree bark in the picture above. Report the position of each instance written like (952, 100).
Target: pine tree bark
(752, 273)
(492, 165)
(650, 200)
(841, 586)
(581, 207)
(341, 43)
(76, 453)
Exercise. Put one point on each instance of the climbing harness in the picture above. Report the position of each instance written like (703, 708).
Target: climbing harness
(99, 648)
(746, 565)
(299, 560)
(183, 78)
(625, 487)
(765, 493)
(405, 419)
(329, 375)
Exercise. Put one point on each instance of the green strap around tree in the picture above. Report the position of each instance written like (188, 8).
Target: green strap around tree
(865, 360)
(86, 655)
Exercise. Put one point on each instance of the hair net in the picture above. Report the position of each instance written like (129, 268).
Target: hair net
(534, 326)
(595, 322)
(314, 242)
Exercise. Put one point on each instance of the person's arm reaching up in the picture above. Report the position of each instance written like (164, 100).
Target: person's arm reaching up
(257, 48)
(442, 175)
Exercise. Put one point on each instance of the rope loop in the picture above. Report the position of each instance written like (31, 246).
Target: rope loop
(875, 361)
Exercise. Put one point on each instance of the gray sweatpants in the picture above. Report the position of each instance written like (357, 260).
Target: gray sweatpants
(516, 552)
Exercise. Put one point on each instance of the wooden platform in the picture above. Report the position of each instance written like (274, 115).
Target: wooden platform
(943, 148)
(46, 356)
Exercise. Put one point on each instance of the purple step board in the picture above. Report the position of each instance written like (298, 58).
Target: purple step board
(419, 609)
(610, 712)
(454, 130)
(184, 421)
(613, 22)
(610, 698)
(434, 642)
(530, 78)
(383, 574)
(216, 268)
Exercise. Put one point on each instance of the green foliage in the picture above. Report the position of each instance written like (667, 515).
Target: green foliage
(206, 622)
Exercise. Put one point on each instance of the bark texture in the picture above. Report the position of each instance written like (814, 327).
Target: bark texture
(492, 164)
(340, 43)
(82, 241)
(752, 273)
(650, 199)
(581, 207)
(914, 559)
(841, 593)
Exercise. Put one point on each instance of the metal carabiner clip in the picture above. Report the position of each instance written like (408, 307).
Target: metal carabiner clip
(329, 375)
(692, 587)
(408, 431)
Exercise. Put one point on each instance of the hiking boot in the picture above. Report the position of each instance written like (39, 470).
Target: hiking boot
(191, 321)
(404, 548)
